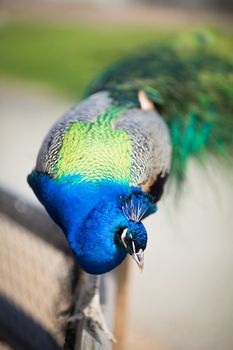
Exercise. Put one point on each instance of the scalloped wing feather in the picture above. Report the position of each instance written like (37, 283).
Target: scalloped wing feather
(95, 141)
(190, 81)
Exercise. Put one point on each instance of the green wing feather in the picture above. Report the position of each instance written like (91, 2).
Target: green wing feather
(190, 81)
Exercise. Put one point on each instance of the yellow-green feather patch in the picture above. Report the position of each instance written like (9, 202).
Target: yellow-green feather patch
(96, 151)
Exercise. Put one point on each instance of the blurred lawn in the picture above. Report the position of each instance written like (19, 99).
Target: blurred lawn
(67, 57)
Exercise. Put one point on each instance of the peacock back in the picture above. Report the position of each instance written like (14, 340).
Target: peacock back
(190, 81)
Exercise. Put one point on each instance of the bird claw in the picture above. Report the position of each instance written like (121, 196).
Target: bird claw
(93, 325)
(76, 317)
(88, 307)
(96, 320)
(93, 314)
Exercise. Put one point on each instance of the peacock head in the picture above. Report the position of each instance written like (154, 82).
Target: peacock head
(133, 240)
(133, 236)
(112, 230)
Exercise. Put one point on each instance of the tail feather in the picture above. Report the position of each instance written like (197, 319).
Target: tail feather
(190, 81)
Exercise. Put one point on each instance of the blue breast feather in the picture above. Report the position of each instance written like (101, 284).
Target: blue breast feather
(69, 203)
(89, 214)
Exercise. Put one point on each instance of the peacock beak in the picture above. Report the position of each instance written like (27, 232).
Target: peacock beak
(139, 258)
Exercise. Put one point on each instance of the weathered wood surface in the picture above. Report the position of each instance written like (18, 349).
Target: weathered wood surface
(88, 341)
(113, 297)
(121, 302)
(88, 334)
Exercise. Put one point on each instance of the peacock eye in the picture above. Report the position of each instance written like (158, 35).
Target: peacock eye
(124, 238)
(120, 236)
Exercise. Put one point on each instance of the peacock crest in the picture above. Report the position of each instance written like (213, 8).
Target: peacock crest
(137, 205)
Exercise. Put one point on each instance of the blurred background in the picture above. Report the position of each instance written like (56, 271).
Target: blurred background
(50, 50)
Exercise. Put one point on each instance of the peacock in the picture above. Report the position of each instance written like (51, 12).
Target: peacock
(102, 167)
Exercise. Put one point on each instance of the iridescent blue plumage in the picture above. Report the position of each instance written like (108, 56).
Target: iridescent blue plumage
(91, 216)
(102, 168)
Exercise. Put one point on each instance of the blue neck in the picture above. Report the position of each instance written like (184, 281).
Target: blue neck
(89, 214)
(69, 202)
(84, 211)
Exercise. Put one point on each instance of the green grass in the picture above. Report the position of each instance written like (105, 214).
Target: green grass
(66, 57)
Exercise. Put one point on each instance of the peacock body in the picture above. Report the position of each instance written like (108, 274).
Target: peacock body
(102, 167)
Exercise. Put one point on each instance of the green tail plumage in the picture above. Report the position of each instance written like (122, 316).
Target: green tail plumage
(190, 81)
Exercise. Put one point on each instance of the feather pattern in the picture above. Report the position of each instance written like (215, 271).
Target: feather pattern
(96, 141)
(103, 165)
(88, 110)
(190, 81)
(136, 206)
(151, 153)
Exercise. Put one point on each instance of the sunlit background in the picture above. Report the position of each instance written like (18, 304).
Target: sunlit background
(49, 52)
